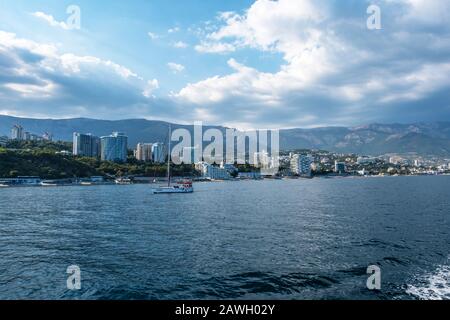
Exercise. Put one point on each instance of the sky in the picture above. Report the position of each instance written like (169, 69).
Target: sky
(239, 63)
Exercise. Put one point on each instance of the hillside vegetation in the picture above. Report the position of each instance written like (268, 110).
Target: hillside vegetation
(40, 159)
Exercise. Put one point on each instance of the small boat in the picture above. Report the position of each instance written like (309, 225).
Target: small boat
(56, 183)
(184, 186)
(123, 181)
(49, 184)
(4, 186)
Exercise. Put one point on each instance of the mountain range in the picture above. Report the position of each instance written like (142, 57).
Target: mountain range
(375, 139)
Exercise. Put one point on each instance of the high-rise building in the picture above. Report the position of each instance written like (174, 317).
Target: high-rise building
(86, 145)
(144, 152)
(17, 132)
(301, 165)
(114, 147)
(417, 163)
(158, 152)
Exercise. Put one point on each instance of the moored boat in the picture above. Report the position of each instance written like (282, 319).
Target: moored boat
(124, 181)
(185, 186)
(182, 187)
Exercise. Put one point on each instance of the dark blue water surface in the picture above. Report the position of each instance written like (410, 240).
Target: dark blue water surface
(286, 239)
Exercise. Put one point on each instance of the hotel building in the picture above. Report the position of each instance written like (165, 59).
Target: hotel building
(144, 152)
(301, 165)
(86, 145)
(114, 147)
(158, 152)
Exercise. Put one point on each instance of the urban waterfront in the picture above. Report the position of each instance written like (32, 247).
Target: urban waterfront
(269, 239)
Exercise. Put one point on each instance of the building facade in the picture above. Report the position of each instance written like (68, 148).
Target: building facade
(301, 165)
(86, 145)
(339, 167)
(3, 141)
(114, 147)
(17, 132)
(231, 169)
(144, 152)
(212, 172)
(158, 153)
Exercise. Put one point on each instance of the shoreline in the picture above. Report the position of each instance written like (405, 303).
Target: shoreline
(157, 183)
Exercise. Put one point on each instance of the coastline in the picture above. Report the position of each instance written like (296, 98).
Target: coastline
(56, 183)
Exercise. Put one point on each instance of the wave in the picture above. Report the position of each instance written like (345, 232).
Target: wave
(433, 286)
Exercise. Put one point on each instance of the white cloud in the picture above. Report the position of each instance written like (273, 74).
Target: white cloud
(180, 45)
(332, 62)
(215, 47)
(173, 30)
(153, 36)
(245, 82)
(426, 11)
(152, 85)
(39, 79)
(51, 20)
(285, 26)
(175, 67)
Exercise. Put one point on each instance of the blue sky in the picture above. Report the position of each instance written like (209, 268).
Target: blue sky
(249, 64)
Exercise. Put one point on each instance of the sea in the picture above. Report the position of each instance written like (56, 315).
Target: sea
(270, 239)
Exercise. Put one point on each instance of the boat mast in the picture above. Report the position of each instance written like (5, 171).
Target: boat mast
(168, 157)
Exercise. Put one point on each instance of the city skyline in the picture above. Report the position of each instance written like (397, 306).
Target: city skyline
(243, 64)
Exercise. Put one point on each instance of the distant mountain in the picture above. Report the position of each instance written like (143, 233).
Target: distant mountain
(374, 139)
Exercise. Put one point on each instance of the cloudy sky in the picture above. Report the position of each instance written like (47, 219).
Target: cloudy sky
(242, 63)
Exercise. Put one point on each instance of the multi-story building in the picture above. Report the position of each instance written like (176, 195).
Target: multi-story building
(144, 152)
(158, 152)
(417, 163)
(301, 165)
(86, 145)
(339, 167)
(34, 137)
(3, 141)
(114, 147)
(212, 172)
(17, 132)
(229, 167)
(262, 160)
(47, 136)
(396, 160)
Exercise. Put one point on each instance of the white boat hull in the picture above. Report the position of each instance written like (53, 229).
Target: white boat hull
(173, 190)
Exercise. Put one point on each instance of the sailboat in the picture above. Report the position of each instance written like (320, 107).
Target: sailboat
(184, 186)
